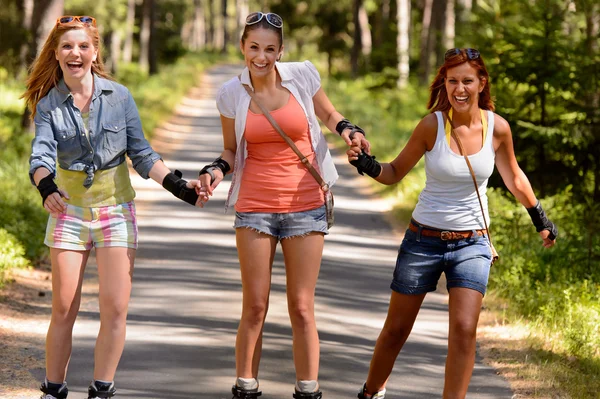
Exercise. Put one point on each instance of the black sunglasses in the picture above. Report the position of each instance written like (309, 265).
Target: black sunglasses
(272, 18)
(472, 53)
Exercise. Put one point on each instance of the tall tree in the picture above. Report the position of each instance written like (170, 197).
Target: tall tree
(426, 42)
(210, 18)
(148, 59)
(129, 25)
(242, 10)
(225, 26)
(403, 20)
(449, 25)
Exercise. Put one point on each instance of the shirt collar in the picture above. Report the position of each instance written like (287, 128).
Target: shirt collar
(100, 86)
(281, 68)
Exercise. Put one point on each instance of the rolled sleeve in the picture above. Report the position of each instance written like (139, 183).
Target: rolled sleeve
(43, 145)
(142, 156)
(225, 103)
(313, 78)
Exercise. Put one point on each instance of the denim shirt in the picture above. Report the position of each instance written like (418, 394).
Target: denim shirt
(115, 129)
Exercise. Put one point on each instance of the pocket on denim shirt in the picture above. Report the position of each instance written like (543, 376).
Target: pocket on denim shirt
(115, 135)
(67, 142)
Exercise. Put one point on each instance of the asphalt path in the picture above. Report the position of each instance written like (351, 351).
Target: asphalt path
(186, 299)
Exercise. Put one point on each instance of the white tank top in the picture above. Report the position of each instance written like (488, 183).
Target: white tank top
(449, 200)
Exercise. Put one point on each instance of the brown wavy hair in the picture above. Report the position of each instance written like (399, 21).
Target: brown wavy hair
(438, 98)
(45, 72)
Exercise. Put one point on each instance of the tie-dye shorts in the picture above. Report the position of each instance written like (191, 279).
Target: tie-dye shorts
(80, 229)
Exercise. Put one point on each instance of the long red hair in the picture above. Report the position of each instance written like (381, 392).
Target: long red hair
(45, 72)
(438, 98)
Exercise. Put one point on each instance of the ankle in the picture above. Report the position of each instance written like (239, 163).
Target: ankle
(307, 386)
(246, 384)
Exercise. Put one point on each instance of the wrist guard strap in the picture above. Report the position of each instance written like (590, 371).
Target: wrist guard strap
(177, 186)
(46, 186)
(367, 164)
(541, 221)
(219, 163)
(346, 124)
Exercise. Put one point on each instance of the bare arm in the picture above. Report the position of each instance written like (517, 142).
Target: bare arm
(228, 154)
(512, 175)
(327, 113)
(421, 140)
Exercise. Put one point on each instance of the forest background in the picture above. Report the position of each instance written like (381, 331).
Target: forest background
(544, 61)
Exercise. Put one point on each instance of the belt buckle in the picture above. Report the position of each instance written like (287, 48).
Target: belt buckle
(446, 235)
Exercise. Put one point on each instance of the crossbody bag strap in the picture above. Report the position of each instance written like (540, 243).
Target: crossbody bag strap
(464, 154)
(303, 159)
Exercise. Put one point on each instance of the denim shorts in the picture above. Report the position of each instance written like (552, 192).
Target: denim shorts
(421, 261)
(81, 228)
(284, 225)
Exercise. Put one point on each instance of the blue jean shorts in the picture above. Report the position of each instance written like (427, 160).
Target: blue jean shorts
(284, 225)
(421, 261)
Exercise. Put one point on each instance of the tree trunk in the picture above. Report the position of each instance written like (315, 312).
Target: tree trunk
(147, 48)
(357, 44)
(466, 7)
(449, 25)
(115, 51)
(425, 45)
(225, 26)
(40, 17)
(242, 10)
(365, 30)
(403, 21)
(128, 47)
(210, 38)
(27, 20)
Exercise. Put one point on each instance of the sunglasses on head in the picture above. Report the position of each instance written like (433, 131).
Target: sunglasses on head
(272, 18)
(472, 53)
(68, 19)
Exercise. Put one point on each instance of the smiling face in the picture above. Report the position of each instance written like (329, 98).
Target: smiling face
(75, 53)
(463, 86)
(261, 48)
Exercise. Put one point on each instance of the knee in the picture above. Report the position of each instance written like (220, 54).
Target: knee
(302, 314)
(255, 313)
(64, 314)
(114, 312)
(464, 333)
(393, 336)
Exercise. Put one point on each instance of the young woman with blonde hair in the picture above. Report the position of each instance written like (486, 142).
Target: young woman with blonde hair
(85, 124)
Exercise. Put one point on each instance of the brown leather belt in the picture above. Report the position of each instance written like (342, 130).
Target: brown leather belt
(444, 235)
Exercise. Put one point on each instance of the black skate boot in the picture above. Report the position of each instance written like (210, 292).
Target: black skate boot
(239, 393)
(101, 390)
(308, 395)
(364, 395)
(53, 393)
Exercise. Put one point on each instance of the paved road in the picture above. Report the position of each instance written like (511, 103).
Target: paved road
(187, 298)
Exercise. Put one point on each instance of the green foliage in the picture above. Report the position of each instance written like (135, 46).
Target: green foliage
(12, 254)
(157, 95)
(556, 289)
(388, 116)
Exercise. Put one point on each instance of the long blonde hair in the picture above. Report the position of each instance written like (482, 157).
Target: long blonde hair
(45, 72)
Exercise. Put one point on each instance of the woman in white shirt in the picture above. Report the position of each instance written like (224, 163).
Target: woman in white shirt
(274, 195)
(448, 232)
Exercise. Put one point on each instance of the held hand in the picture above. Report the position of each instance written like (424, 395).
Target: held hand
(202, 196)
(353, 152)
(207, 183)
(54, 203)
(352, 137)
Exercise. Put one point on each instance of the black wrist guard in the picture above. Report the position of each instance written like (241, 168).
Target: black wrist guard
(219, 163)
(346, 124)
(177, 186)
(367, 164)
(46, 186)
(541, 221)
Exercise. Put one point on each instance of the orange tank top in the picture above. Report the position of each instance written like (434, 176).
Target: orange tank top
(274, 180)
